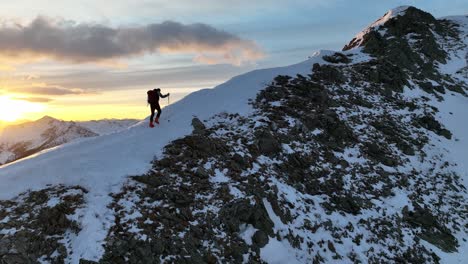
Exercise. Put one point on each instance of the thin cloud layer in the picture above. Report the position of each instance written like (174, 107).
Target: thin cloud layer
(48, 90)
(78, 43)
(34, 99)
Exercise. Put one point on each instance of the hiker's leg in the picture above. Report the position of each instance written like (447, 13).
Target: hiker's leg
(153, 108)
(158, 107)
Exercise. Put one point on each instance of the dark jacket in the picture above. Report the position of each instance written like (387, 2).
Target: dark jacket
(154, 95)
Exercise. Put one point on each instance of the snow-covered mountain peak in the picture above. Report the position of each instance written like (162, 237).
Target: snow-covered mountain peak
(47, 118)
(398, 11)
(41, 122)
(392, 13)
(409, 12)
(22, 140)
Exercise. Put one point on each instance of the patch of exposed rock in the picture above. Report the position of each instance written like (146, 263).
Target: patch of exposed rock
(36, 226)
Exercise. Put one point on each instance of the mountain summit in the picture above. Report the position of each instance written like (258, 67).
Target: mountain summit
(361, 38)
(356, 156)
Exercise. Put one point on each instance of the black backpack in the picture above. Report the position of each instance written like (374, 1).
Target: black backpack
(152, 96)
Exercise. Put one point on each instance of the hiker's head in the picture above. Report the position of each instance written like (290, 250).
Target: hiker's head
(157, 90)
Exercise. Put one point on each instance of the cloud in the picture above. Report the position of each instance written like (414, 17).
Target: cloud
(48, 90)
(34, 99)
(32, 77)
(80, 43)
(183, 77)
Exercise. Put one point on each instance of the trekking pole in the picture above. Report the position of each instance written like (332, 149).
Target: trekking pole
(168, 100)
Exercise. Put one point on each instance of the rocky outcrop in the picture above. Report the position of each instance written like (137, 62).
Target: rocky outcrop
(336, 144)
(431, 229)
(410, 43)
(198, 126)
(337, 58)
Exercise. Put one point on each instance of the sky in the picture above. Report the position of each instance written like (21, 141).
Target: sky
(89, 59)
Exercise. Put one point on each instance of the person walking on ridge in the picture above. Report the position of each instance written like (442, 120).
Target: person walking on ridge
(153, 101)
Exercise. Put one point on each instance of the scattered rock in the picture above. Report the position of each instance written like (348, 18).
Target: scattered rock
(243, 212)
(327, 74)
(198, 126)
(431, 229)
(267, 143)
(260, 238)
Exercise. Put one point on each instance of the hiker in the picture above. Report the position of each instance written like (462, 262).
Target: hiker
(153, 101)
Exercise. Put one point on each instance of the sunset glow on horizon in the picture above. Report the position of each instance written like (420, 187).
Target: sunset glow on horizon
(13, 109)
(110, 105)
(88, 60)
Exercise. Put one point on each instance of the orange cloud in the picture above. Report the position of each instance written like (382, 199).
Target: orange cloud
(44, 89)
(33, 99)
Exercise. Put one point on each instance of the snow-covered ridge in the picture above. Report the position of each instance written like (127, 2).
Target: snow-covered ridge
(399, 11)
(392, 13)
(461, 20)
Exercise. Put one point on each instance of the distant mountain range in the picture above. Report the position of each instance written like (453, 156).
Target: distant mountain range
(17, 122)
(18, 141)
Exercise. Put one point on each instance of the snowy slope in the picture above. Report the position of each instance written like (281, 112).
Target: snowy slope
(452, 112)
(102, 164)
(107, 126)
(458, 63)
(453, 108)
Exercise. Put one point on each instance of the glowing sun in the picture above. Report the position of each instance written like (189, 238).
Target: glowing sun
(14, 109)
